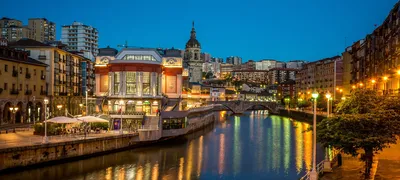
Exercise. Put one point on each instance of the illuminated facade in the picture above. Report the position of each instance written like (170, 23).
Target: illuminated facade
(172, 73)
(131, 82)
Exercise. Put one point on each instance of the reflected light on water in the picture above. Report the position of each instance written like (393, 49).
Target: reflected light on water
(287, 140)
(155, 173)
(299, 147)
(121, 174)
(139, 174)
(307, 146)
(180, 174)
(200, 156)
(221, 158)
(236, 146)
(189, 162)
(108, 175)
(276, 142)
(147, 171)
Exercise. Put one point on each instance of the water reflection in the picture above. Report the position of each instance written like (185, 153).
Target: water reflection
(250, 146)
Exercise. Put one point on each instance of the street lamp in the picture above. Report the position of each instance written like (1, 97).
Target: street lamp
(13, 111)
(45, 140)
(327, 163)
(121, 103)
(313, 173)
(385, 78)
(59, 107)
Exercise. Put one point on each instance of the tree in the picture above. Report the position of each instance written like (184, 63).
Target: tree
(365, 121)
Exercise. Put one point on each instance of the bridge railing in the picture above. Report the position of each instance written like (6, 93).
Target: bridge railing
(320, 170)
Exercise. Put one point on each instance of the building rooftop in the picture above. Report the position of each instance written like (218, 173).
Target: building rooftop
(108, 51)
(25, 42)
(10, 54)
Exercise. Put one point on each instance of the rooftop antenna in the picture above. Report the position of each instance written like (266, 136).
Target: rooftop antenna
(127, 46)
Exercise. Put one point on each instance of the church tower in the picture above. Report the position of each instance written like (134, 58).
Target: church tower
(192, 58)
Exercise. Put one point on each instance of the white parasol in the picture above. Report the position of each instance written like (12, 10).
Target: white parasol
(91, 119)
(62, 120)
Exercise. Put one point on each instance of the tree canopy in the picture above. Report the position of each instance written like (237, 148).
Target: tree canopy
(364, 121)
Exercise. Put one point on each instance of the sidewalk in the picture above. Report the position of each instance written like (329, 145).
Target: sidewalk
(386, 166)
(26, 138)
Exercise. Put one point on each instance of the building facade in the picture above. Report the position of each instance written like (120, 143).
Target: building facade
(324, 76)
(295, 64)
(172, 63)
(22, 86)
(42, 30)
(251, 76)
(82, 38)
(235, 60)
(13, 30)
(280, 75)
(63, 76)
(192, 59)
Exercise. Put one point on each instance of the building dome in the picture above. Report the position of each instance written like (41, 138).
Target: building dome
(193, 43)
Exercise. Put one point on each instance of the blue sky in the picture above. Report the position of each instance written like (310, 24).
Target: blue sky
(253, 29)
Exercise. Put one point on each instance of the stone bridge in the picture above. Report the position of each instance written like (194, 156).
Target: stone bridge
(241, 106)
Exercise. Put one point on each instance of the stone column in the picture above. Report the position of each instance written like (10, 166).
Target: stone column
(1, 113)
(111, 83)
(153, 82)
(160, 78)
(122, 83)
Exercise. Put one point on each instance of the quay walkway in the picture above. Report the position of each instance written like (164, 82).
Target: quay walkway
(27, 138)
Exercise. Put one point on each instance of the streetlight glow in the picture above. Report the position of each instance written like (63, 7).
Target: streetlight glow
(315, 95)
(398, 72)
(328, 96)
(373, 81)
(353, 86)
(385, 78)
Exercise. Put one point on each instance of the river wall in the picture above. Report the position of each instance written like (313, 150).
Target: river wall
(12, 158)
(300, 116)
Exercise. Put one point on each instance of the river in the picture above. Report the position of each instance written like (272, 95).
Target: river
(251, 146)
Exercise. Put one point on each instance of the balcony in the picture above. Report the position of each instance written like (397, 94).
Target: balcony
(42, 57)
(14, 92)
(27, 75)
(28, 92)
(43, 77)
(15, 73)
(43, 93)
(62, 94)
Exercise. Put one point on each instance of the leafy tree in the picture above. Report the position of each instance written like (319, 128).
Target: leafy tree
(365, 121)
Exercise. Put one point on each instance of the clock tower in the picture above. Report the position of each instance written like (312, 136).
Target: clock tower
(192, 58)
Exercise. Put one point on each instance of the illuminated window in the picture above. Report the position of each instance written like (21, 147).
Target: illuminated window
(116, 82)
(139, 57)
(131, 83)
(146, 83)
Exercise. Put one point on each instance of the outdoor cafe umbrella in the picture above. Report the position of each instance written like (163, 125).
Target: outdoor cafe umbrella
(91, 119)
(62, 120)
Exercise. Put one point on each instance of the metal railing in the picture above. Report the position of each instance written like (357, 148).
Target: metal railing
(320, 168)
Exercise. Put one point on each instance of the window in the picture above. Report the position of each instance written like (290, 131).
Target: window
(34, 87)
(41, 73)
(131, 83)
(41, 88)
(13, 87)
(116, 82)
(20, 70)
(26, 87)
(27, 70)
(34, 72)
(5, 86)
(139, 57)
(6, 68)
(13, 68)
(20, 87)
(146, 83)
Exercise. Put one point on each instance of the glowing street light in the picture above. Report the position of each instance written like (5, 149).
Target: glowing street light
(45, 140)
(313, 173)
(13, 111)
(385, 78)
(353, 87)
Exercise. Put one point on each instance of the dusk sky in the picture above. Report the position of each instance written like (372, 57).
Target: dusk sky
(253, 29)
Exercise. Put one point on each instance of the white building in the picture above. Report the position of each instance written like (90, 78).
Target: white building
(236, 60)
(295, 64)
(213, 67)
(82, 38)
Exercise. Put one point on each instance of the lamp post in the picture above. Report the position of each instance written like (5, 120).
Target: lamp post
(327, 162)
(45, 140)
(385, 78)
(14, 110)
(87, 90)
(313, 173)
(121, 103)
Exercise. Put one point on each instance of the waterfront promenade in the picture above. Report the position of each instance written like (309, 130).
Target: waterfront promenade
(27, 138)
(385, 166)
